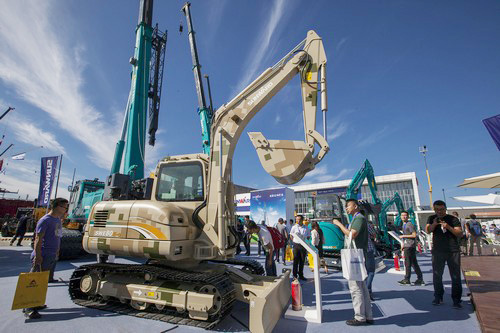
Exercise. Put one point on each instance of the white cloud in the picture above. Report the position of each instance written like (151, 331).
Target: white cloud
(214, 18)
(14, 184)
(47, 72)
(323, 174)
(341, 43)
(29, 132)
(338, 129)
(374, 137)
(277, 119)
(254, 62)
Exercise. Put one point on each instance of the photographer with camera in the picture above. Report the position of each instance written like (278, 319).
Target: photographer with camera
(446, 233)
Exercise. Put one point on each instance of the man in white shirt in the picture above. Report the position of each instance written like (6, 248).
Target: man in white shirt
(267, 244)
(299, 252)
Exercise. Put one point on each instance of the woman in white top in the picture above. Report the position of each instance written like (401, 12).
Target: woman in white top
(317, 237)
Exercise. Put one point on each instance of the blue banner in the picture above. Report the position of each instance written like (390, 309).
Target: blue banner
(47, 175)
(493, 126)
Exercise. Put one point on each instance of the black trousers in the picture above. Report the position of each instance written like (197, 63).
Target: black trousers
(411, 261)
(246, 242)
(439, 259)
(20, 234)
(238, 245)
(299, 256)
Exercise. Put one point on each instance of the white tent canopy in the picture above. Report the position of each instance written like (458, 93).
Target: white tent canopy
(485, 181)
(490, 199)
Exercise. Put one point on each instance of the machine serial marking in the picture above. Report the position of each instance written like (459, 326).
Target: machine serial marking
(103, 233)
(261, 92)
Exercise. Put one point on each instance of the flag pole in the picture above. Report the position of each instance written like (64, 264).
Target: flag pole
(58, 173)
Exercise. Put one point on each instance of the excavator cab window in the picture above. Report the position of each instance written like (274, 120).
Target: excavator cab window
(180, 182)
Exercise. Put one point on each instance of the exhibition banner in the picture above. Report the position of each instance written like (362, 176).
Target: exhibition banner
(47, 175)
(493, 126)
(270, 205)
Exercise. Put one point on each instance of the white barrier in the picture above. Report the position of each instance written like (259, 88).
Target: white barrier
(401, 266)
(309, 313)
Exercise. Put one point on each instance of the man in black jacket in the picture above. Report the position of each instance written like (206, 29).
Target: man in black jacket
(446, 233)
(20, 230)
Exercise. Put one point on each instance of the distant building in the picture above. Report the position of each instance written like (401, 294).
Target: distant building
(316, 200)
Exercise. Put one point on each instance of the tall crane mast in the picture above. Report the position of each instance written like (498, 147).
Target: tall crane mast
(205, 113)
(147, 75)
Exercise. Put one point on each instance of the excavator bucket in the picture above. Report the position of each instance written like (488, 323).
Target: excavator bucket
(267, 296)
(287, 161)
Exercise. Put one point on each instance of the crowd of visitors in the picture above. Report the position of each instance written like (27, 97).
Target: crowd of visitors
(450, 235)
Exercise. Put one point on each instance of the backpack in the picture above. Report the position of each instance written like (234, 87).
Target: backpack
(278, 239)
(476, 228)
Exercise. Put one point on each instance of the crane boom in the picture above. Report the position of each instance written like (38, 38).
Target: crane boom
(204, 112)
(132, 144)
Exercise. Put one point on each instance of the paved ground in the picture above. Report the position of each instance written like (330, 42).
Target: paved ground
(396, 307)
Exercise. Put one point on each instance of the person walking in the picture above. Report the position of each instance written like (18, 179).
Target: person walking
(409, 237)
(359, 292)
(246, 235)
(284, 232)
(240, 231)
(259, 243)
(475, 234)
(47, 242)
(267, 244)
(446, 232)
(465, 237)
(318, 239)
(20, 230)
(299, 252)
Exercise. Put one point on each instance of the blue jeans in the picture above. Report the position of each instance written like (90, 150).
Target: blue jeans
(370, 269)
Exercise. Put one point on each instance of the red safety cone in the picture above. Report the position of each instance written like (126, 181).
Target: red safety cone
(296, 295)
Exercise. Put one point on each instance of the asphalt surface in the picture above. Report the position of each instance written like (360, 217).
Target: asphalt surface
(396, 307)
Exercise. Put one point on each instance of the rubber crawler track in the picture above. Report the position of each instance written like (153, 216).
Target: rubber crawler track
(220, 281)
(252, 265)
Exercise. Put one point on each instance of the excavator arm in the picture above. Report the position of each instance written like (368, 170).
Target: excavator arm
(396, 199)
(287, 161)
(366, 172)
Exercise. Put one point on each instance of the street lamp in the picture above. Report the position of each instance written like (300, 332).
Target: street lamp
(423, 151)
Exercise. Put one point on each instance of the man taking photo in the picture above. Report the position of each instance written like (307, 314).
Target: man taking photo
(446, 232)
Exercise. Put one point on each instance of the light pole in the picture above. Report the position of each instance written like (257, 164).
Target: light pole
(423, 151)
(444, 196)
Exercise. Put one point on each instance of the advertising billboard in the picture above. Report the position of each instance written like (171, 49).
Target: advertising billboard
(270, 205)
(242, 204)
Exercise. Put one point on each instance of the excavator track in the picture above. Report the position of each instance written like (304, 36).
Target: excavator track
(220, 281)
(251, 265)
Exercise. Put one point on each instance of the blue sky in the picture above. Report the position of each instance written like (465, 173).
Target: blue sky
(401, 74)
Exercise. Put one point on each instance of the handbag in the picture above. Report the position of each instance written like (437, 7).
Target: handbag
(353, 261)
(289, 253)
(31, 290)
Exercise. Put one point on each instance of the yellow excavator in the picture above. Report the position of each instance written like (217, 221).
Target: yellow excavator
(186, 231)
